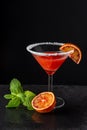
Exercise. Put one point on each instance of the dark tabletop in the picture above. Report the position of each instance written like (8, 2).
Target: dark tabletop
(73, 116)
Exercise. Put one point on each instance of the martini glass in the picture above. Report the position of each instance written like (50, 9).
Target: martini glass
(50, 58)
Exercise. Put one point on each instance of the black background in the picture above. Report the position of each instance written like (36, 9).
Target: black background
(25, 22)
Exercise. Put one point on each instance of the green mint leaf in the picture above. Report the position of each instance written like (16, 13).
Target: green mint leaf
(29, 106)
(27, 103)
(28, 98)
(15, 102)
(8, 96)
(15, 86)
(21, 96)
(29, 93)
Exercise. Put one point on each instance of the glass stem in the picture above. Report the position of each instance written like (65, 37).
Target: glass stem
(50, 83)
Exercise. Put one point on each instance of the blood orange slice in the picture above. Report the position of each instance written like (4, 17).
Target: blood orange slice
(44, 102)
(76, 56)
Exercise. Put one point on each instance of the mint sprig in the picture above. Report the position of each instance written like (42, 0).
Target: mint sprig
(18, 96)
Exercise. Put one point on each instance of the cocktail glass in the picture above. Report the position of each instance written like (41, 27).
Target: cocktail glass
(50, 58)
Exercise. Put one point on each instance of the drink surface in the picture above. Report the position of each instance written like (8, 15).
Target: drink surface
(50, 63)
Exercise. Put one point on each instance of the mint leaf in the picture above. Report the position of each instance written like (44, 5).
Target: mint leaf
(29, 96)
(15, 86)
(15, 102)
(21, 96)
(28, 103)
(8, 96)
(29, 93)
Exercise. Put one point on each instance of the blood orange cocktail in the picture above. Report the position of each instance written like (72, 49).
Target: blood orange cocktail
(50, 63)
(49, 56)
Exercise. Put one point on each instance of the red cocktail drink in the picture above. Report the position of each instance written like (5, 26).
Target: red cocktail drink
(50, 63)
(50, 58)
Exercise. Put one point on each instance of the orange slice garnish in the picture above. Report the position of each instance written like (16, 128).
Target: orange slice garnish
(76, 56)
(44, 102)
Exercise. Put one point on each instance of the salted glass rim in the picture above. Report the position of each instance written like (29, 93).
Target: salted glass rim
(30, 47)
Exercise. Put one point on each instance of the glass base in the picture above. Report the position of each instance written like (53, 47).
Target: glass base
(59, 102)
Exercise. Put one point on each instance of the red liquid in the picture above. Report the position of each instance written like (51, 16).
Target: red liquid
(50, 63)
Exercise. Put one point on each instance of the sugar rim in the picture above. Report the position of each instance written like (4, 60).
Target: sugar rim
(29, 49)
